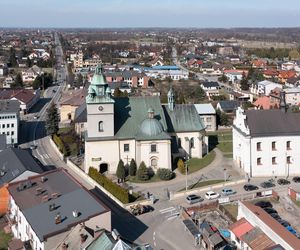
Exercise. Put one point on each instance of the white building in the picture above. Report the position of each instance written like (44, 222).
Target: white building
(45, 209)
(9, 120)
(292, 96)
(138, 128)
(266, 142)
(207, 115)
(162, 72)
(265, 87)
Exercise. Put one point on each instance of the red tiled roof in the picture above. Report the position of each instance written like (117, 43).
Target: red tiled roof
(24, 95)
(241, 227)
(263, 102)
(287, 74)
(277, 228)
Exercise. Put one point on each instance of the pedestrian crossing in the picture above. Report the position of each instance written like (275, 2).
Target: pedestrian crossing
(170, 212)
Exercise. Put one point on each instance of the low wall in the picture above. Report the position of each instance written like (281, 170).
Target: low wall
(52, 143)
(181, 194)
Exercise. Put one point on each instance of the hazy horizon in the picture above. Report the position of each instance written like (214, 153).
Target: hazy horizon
(145, 14)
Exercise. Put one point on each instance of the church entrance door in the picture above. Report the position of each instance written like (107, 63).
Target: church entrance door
(103, 168)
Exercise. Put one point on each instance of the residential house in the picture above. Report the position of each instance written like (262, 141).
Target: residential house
(30, 74)
(131, 77)
(211, 238)
(283, 76)
(259, 63)
(228, 106)
(270, 74)
(210, 88)
(26, 97)
(265, 142)
(61, 205)
(263, 102)
(235, 75)
(265, 87)
(207, 114)
(7, 82)
(249, 237)
(3, 70)
(16, 164)
(292, 96)
(275, 232)
(9, 120)
(69, 102)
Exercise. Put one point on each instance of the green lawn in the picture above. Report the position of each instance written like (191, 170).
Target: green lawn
(232, 209)
(196, 164)
(203, 184)
(297, 203)
(225, 147)
(4, 239)
(230, 155)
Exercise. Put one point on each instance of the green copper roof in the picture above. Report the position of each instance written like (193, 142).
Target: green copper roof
(183, 118)
(131, 119)
(99, 78)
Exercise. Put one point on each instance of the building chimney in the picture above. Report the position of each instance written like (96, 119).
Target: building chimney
(57, 219)
(282, 102)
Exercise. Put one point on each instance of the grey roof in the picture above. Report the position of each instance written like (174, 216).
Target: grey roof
(124, 74)
(120, 85)
(80, 114)
(184, 118)
(272, 122)
(71, 196)
(15, 162)
(229, 105)
(205, 108)
(210, 85)
(9, 106)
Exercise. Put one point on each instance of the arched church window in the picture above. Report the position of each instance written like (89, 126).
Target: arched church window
(100, 126)
(154, 162)
(192, 143)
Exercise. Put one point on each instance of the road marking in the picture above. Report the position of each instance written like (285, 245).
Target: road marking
(154, 242)
(46, 156)
(173, 216)
(167, 210)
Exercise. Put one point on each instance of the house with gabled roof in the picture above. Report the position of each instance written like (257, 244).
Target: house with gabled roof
(138, 128)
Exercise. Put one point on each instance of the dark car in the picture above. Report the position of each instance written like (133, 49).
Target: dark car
(296, 179)
(250, 187)
(191, 199)
(283, 182)
(267, 184)
(264, 204)
(275, 216)
(270, 210)
(284, 222)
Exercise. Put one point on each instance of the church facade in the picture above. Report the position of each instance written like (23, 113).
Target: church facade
(138, 128)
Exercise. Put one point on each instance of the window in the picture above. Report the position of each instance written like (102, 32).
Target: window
(192, 144)
(12, 132)
(273, 145)
(202, 119)
(7, 132)
(154, 162)
(153, 148)
(208, 119)
(288, 159)
(258, 146)
(12, 125)
(288, 145)
(258, 161)
(3, 125)
(126, 147)
(7, 125)
(100, 126)
(274, 161)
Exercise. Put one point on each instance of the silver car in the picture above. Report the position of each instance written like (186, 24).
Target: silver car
(192, 198)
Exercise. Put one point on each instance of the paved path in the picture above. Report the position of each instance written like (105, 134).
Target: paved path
(215, 170)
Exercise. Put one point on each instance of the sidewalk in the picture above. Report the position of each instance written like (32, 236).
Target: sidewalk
(215, 170)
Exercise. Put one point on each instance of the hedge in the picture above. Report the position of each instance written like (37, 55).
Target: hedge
(59, 143)
(120, 193)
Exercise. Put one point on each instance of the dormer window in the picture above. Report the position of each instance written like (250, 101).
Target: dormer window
(100, 126)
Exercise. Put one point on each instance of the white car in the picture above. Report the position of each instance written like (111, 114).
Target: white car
(211, 195)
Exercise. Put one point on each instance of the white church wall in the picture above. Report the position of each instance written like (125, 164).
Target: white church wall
(185, 137)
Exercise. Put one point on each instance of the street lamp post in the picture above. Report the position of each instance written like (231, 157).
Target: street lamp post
(225, 174)
(186, 172)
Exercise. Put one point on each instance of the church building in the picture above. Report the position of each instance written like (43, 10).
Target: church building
(138, 128)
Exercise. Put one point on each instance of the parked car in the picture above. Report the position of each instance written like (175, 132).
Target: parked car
(267, 184)
(275, 216)
(283, 182)
(250, 187)
(270, 210)
(192, 198)
(284, 222)
(228, 191)
(263, 204)
(211, 195)
(296, 179)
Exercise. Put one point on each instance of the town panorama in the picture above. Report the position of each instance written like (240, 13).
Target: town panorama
(131, 137)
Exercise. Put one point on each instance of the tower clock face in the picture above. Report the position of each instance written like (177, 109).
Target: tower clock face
(100, 108)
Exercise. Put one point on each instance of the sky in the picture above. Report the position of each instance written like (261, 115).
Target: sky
(149, 13)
